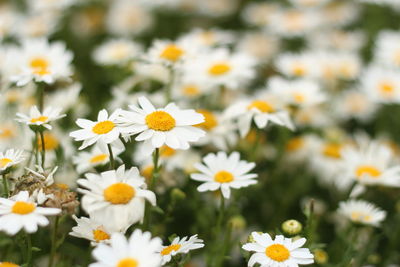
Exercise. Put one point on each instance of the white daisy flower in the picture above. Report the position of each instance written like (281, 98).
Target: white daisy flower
(387, 49)
(104, 129)
(169, 53)
(370, 164)
(115, 197)
(180, 246)
(99, 155)
(21, 212)
(297, 65)
(219, 67)
(139, 250)
(39, 61)
(40, 119)
(116, 52)
(91, 230)
(224, 172)
(10, 158)
(361, 211)
(208, 37)
(281, 252)
(263, 109)
(170, 125)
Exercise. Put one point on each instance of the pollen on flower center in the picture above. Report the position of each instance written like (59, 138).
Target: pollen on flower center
(169, 249)
(39, 119)
(21, 207)
(332, 150)
(98, 158)
(210, 121)
(190, 90)
(219, 69)
(261, 106)
(359, 216)
(386, 88)
(119, 193)
(40, 65)
(299, 98)
(369, 170)
(166, 151)
(277, 252)
(128, 262)
(8, 264)
(4, 162)
(223, 177)
(160, 121)
(299, 70)
(103, 127)
(100, 235)
(172, 53)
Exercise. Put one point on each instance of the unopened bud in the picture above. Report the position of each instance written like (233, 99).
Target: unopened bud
(292, 227)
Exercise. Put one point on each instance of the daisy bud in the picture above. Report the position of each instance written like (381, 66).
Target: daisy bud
(292, 227)
(237, 222)
(320, 256)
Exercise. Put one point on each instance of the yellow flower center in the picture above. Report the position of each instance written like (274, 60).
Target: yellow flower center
(6, 133)
(62, 186)
(103, 127)
(219, 69)
(100, 235)
(299, 98)
(210, 121)
(40, 65)
(160, 121)
(147, 172)
(4, 162)
(169, 249)
(295, 144)
(332, 151)
(277, 252)
(261, 106)
(98, 158)
(128, 262)
(166, 152)
(39, 119)
(360, 216)
(172, 53)
(119, 193)
(119, 51)
(50, 142)
(299, 70)
(223, 177)
(369, 170)
(8, 264)
(386, 88)
(190, 90)
(21, 207)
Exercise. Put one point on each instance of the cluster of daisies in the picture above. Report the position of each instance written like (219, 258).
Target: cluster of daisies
(123, 149)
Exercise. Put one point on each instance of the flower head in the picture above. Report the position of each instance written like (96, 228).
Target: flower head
(179, 246)
(37, 119)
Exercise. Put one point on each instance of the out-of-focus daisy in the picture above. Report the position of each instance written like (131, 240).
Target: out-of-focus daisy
(116, 52)
(387, 50)
(208, 38)
(219, 67)
(263, 109)
(180, 246)
(139, 250)
(260, 45)
(171, 125)
(296, 65)
(10, 158)
(371, 164)
(224, 172)
(361, 211)
(39, 61)
(280, 252)
(20, 212)
(104, 129)
(37, 118)
(115, 197)
(91, 230)
(168, 52)
(99, 155)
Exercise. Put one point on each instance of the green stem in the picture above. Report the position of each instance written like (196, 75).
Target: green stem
(40, 93)
(29, 250)
(123, 141)
(219, 254)
(43, 148)
(53, 242)
(111, 157)
(168, 88)
(154, 176)
(6, 192)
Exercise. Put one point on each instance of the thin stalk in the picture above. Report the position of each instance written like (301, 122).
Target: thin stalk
(112, 163)
(154, 176)
(218, 254)
(168, 88)
(54, 242)
(36, 149)
(40, 93)
(123, 141)
(29, 250)
(6, 192)
(43, 148)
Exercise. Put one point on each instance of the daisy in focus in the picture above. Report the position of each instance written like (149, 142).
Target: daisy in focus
(40, 119)
(115, 197)
(224, 172)
(10, 158)
(180, 246)
(139, 250)
(91, 230)
(20, 212)
(280, 252)
(104, 129)
(171, 125)
(361, 211)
